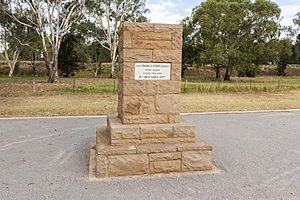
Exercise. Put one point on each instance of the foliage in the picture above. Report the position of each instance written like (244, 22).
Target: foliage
(231, 32)
(50, 20)
(69, 54)
(108, 16)
(248, 70)
(285, 52)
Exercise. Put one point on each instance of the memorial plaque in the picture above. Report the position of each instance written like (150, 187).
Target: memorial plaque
(152, 71)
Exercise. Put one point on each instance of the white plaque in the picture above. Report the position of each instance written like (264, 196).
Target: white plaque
(152, 71)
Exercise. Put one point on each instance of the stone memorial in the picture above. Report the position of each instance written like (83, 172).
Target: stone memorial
(147, 136)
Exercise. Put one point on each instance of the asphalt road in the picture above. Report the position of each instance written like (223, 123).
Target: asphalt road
(258, 155)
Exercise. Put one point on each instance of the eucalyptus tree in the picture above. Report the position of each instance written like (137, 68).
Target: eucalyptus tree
(11, 35)
(107, 16)
(51, 19)
(232, 30)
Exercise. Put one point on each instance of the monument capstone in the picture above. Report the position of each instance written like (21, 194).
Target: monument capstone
(147, 136)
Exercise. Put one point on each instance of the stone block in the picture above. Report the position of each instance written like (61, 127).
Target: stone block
(125, 40)
(128, 73)
(122, 165)
(145, 119)
(115, 150)
(138, 105)
(184, 130)
(165, 166)
(156, 131)
(196, 160)
(117, 130)
(137, 27)
(101, 166)
(163, 87)
(102, 135)
(156, 148)
(176, 72)
(177, 40)
(148, 44)
(164, 156)
(136, 55)
(167, 104)
(200, 145)
(166, 140)
(167, 28)
(174, 118)
(134, 88)
(120, 142)
(167, 56)
(161, 36)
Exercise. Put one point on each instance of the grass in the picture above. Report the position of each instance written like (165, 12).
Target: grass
(94, 96)
(98, 104)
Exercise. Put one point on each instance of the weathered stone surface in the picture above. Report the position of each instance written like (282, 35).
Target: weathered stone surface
(156, 148)
(167, 56)
(101, 166)
(136, 55)
(115, 150)
(196, 160)
(163, 87)
(184, 130)
(120, 142)
(165, 166)
(162, 36)
(132, 88)
(118, 130)
(164, 156)
(128, 72)
(138, 27)
(177, 40)
(176, 71)
(102, 135)
(145, 119)
(123, 165)
(148, 44)
(200, 145)
(138, 105)
(125, 40)
(174, 118)
(167, 28)
(167, 104)
(156, 131)
(166, 140)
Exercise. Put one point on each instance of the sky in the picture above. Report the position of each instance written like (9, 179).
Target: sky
(173, 11)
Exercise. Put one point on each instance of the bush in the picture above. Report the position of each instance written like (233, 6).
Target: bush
(248, 70)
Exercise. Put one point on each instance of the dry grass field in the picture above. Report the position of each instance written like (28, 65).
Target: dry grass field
(19, 97)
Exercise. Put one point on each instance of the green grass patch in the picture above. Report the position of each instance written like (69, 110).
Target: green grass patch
(99, 89)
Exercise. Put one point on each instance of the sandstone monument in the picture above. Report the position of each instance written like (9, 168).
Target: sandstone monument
(147, 136)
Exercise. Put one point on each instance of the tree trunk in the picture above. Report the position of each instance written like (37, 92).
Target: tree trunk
(218, 72)
(53, 72)
(113, 64)
(11, 71)
(227, 74)
(183, 69)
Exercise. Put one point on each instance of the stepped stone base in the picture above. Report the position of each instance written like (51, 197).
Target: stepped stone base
(150, 149)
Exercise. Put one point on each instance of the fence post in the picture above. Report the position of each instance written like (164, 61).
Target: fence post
(114, 85)
(185, 85)
(73, 86)
(33, 86)
(278, 84)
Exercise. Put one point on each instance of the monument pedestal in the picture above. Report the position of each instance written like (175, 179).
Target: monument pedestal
(147, 136)
(124, 150)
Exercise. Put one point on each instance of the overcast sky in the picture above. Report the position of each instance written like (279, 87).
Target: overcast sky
(173, 11)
